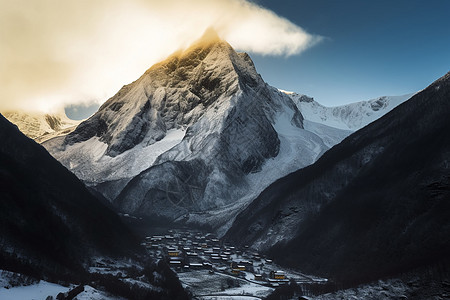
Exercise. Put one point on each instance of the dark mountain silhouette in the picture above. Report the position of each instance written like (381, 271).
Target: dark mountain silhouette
(376, 204)
(49, 222)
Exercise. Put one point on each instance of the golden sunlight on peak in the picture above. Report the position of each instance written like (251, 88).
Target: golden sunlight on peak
(210, 36)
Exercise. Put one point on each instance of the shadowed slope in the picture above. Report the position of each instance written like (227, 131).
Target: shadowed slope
(48, 219)
(376, 204)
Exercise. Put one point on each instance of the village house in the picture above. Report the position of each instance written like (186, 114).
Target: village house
(258, 277)
(173, 252)
(279, 275)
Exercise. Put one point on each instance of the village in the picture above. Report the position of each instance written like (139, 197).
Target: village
(207, 266)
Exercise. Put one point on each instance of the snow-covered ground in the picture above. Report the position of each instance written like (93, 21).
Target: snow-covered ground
(36, 291)
(42, 289)
(205, 285)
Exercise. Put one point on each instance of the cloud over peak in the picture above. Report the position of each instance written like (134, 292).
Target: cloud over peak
(56, 53)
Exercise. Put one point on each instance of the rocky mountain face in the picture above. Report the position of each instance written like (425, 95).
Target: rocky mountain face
(352, 116)
(374, 205)
(49, 222)
(200, 131)
(40, 126)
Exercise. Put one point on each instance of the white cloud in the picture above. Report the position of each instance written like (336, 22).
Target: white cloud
(58, 52)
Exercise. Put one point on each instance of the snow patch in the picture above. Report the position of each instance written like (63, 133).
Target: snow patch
(89, 162)
(39, 291)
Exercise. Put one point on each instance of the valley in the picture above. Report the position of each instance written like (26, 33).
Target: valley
(199, 179)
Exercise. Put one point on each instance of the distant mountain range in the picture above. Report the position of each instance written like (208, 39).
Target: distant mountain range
(352, 116)
(375, 205)
(41, 126)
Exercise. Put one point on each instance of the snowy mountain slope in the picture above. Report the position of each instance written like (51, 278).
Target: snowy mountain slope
(40, 126)
(352, 116)
(329, 135)
(87, 159)
(200, 131)
(298, 148)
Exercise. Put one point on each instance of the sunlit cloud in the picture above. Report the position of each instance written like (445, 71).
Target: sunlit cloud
(54, 53)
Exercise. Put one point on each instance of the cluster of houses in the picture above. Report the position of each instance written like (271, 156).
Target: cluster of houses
(186, 251)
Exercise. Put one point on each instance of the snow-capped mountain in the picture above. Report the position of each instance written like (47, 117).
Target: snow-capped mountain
(352, 116)
(200, 131)
(41, 126)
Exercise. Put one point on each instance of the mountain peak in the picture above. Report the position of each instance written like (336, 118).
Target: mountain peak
(209, 36)
(171, 94)
(208, 41)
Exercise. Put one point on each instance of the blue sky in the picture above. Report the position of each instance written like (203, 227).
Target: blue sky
(371, 48)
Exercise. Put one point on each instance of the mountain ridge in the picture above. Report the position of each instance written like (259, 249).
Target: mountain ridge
(352, 116)
(48, 218)
(41, 126)
(368, 207)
